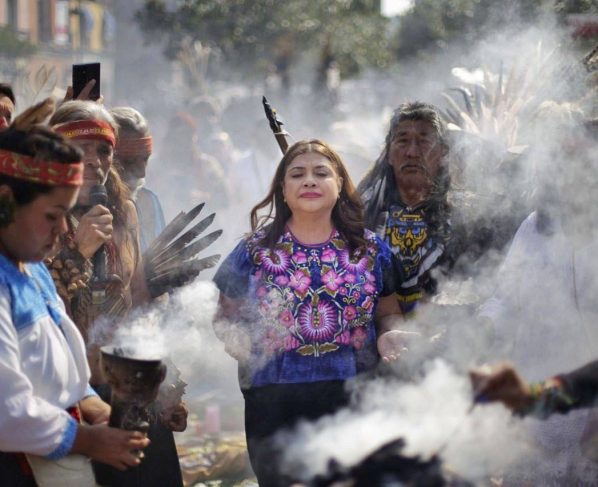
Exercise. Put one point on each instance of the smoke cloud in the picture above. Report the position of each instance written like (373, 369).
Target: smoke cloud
(506, 162)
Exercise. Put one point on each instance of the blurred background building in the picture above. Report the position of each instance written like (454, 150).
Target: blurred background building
(56, 33)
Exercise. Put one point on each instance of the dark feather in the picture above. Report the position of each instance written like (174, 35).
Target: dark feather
(172, 230)
(170, 260)
(187, 237)
(191, 250)
(190, 268)
(181, 275)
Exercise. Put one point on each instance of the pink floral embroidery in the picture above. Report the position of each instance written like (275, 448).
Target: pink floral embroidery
(358, 338)
(317, 323)
(358, 267)
(349, 313)
(329, 255)
(290, 343)
(281, 280)
(332, 280)
(286, 318)
(284, 289)
(344, 338)
(300, 257)
(272, 342)
(276, 261)
(369, 288)
(350, 278)
(300, 282)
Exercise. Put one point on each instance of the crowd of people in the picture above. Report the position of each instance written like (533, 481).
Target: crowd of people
(322, 289)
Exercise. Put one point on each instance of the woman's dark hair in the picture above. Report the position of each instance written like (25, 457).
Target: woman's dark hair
(378, 185)
(43, 144)
(347, 214)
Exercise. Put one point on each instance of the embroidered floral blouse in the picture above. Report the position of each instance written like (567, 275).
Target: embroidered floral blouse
(313, 306)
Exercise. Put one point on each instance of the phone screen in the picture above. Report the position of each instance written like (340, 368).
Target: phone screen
(82, 74)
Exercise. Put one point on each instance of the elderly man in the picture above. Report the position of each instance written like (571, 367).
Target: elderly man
(405, 194)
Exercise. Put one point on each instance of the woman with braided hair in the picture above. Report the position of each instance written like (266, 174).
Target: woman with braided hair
(44, 376)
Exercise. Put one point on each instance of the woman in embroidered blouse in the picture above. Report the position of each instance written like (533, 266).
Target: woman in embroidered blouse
(305, 300)
(43, 368)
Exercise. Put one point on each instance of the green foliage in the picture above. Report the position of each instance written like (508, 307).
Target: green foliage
(565, 7)
(12, 46)
(431, 24)
(252, 33)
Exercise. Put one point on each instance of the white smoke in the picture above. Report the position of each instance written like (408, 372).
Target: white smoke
(433, 416)
(493, 186)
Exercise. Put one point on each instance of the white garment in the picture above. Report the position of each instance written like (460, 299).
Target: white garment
(68, 471)
(544, 307)
(43, 371)
(545, 311)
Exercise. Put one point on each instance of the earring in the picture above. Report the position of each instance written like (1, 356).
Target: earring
(7, 211)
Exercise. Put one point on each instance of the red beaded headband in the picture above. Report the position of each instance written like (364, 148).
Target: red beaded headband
(87, 129)
(128, 147)
(49, 173)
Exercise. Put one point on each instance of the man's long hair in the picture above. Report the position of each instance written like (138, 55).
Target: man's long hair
(378, 187)
(347, 214)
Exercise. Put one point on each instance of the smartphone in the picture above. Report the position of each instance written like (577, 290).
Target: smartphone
(82, 74)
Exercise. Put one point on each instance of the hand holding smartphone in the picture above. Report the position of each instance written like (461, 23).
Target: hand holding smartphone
(82, 75)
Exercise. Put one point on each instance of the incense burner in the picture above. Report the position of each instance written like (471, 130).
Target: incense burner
(134, 383)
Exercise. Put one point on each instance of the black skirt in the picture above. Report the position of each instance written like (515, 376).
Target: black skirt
(272, 408)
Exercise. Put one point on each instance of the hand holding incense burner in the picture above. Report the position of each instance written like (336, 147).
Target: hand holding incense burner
(134, 383)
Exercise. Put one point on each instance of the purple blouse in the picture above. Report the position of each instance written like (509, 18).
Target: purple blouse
(313, 306)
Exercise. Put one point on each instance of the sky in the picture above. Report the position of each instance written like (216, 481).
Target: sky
(395, 7)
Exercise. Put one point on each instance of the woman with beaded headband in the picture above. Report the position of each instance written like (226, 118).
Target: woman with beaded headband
(44, 376)
(306, 300)
(113, 225)
(92, 128)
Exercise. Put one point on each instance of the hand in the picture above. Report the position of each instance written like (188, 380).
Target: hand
(84, 94)
(94, 230)
(392, 343)
(112, 446)
(501, 383)
(175, 418)
(94, 410)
